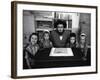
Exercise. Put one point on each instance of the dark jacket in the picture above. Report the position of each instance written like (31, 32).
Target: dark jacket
(55, 38)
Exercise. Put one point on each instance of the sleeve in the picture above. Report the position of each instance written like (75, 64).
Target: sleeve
(27, 59)
(51, 45)
(86, 50)
(77, 44)
(50, 37)
(67, 45)
(68, 34)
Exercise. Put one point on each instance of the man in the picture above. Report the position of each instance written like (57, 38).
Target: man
(59, 37)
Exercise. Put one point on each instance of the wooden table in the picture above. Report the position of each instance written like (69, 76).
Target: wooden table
(43, 60)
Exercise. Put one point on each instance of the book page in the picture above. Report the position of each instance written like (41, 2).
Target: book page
(61, 52)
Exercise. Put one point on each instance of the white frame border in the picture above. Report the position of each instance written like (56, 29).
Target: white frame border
(50, 71)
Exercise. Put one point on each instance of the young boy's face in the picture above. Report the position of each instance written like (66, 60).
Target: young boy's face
(72, 40)
(46, 36)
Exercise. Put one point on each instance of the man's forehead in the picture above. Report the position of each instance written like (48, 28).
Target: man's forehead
(60, 25)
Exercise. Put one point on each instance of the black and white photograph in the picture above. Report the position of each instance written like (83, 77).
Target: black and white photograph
(54, 39)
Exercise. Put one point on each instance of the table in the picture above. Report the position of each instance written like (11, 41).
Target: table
(43, 60)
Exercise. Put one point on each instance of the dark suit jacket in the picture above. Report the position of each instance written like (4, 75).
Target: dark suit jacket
(55, 38)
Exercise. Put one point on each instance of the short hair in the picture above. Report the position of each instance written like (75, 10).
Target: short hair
(72, 35)
(32, 35)
(60, 22)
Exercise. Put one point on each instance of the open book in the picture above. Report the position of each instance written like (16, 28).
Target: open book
(61, 52)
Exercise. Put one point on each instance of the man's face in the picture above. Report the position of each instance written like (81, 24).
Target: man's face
(60, 28)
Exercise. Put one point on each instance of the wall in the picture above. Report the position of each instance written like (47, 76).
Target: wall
(5, 41)
(85, 26)
(29, 22)
(75, 22)
(28, 26)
